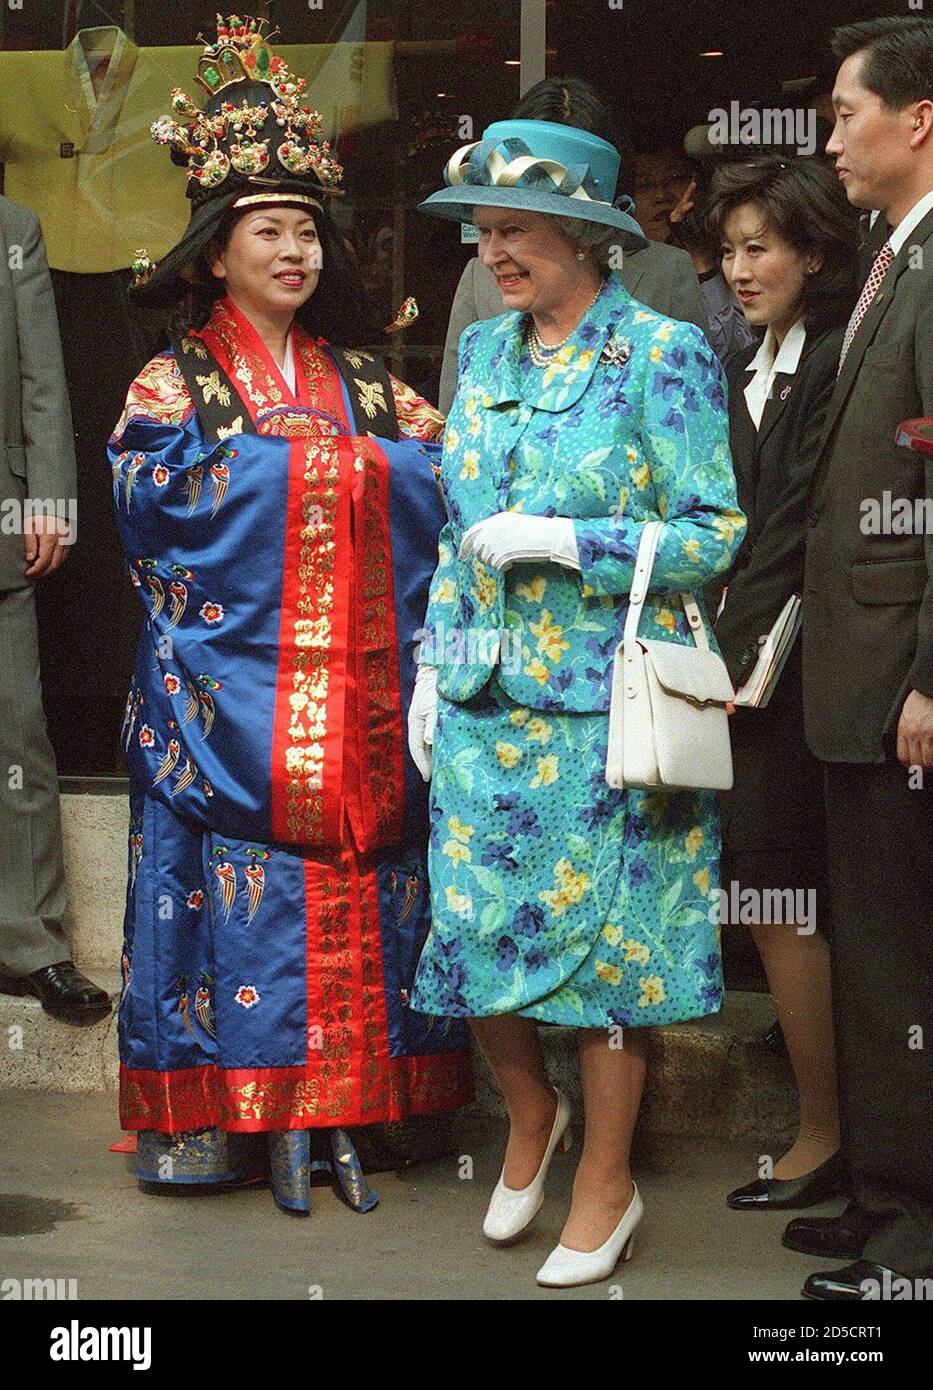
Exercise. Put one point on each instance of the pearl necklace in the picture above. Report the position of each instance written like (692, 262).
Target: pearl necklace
(542, 354)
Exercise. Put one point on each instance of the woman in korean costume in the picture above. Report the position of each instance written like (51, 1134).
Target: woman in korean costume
(579, 415)
(276, 496)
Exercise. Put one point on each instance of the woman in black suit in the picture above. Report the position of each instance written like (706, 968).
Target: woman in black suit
(789, 246)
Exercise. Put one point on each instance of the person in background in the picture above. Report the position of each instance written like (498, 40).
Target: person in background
(37, 463)
(659, 276)
(662, 177)
(730, 332)
(788, 240)
(868, 674)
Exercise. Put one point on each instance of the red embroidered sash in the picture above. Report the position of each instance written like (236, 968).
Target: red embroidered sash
(338, 744)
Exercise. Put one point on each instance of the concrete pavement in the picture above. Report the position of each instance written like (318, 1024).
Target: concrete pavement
(70, 1209)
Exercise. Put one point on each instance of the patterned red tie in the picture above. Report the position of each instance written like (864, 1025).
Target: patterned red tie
(877, 273)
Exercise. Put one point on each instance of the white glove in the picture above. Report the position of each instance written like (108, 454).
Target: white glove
(507, 537)
(422, 716)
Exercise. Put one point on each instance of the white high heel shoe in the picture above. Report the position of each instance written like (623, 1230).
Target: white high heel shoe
(512, 1208)
(563, 1268)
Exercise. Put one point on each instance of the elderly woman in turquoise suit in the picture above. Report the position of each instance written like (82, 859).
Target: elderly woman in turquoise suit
(579, 416)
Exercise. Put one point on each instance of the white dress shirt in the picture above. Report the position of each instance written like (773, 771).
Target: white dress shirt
(767, 362)
(906, 225)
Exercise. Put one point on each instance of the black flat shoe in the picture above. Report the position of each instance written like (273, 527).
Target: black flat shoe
(857, 1282)
(773, 1039)
(830, 1237)
(63, 992)
(785, 1194)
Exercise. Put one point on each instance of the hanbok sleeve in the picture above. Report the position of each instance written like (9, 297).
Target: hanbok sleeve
(203, 526)
(416, 418)
(687, 464)
(158, 394)
(164, 472)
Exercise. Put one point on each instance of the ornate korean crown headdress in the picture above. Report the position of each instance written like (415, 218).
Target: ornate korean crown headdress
(243, 130)
(255, 141)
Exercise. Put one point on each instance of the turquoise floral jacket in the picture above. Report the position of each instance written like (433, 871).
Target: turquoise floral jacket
(628, 424)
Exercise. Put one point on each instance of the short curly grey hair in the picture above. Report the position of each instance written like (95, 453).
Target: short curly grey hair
(603, 243)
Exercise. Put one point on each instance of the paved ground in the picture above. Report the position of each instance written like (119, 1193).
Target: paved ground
(70, 1209)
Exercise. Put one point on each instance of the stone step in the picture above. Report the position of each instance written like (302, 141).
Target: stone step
(94, 829)
(42, 1054)
(710, 1078)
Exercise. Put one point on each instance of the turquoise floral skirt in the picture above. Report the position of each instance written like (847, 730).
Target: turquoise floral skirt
(554, 896)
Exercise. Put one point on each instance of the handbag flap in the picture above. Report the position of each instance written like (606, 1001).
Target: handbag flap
(690, 672)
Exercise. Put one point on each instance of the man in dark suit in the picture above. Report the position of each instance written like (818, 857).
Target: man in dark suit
(37, 465)
(868, 674)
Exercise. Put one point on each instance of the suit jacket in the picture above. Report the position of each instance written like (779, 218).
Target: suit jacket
(610, 439)
(661, 277)
(773, 466)
(775, 801)
(38, 457)
(868, 598)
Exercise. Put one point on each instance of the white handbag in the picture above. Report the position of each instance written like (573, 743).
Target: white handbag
(668, 724)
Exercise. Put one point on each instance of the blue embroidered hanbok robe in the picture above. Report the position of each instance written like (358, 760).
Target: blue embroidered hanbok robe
(277, 898)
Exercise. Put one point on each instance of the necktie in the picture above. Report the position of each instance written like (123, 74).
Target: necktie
(875, 276)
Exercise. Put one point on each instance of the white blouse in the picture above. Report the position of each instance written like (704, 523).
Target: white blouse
(767, 362)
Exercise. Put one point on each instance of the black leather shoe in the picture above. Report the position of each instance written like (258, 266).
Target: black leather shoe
(785, 1194)
(833, 1237)
(63, 992)
(862, 1280)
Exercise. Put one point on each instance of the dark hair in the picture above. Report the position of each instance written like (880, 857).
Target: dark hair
(194, 309)
(567, 101)
(338, 310)
(804, 202)
(573, 101)
(898, 64)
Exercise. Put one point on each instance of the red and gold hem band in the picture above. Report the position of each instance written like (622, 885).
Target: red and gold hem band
(276, 1098)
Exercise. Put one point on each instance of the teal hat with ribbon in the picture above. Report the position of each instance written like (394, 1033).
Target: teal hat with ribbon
(539, 166)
